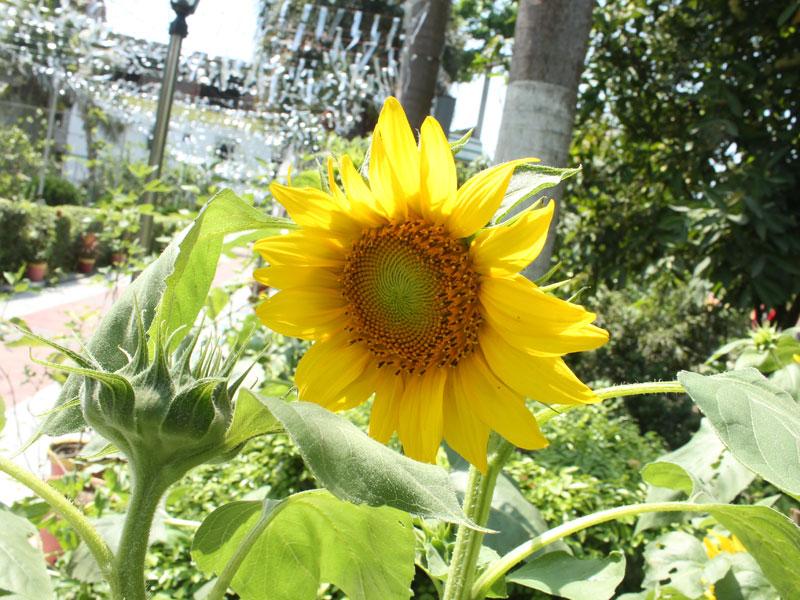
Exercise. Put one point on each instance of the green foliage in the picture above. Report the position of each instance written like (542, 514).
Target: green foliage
(23, 575)
(367, 552)
(560, 574)
(356, 468)
(20, 161)
(758, 422)
(655, 332)
(169, 293)
(707, 465)
(697, 170)
(58, 191)
(64, 226)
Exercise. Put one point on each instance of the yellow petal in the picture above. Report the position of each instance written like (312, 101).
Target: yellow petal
(336, 192)
(537, 322)
(421, 415)
(308, 313)
(358, 391)
(505, 250)
(400, 148)
(496, 405)
(301, 248)
(282, 276)
(311, 207)
(383, 181)
(328, 367)
(365, 205)
(385, 416)
(438, 169)
(463, 430)
(546, 379)
(479, 198)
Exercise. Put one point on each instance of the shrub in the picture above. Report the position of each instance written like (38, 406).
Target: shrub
(66, 225)
(58, 191)
(20, 161)
(655, 332)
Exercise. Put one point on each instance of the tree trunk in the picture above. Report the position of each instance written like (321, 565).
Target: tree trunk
(425, 25)
(550, 42)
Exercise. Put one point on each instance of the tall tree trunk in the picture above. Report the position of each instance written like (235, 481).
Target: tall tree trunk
(550, 42)
(425, 25)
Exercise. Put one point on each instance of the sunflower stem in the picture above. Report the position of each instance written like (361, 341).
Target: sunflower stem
(70, 513)
(477, 502)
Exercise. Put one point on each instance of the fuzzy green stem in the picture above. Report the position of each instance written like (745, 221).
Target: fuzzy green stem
(477, 503)
(229, 571)
(505, 563)
(616, 391)
(147, 488)
(61, 505)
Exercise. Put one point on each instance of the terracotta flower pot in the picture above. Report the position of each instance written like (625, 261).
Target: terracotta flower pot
(36, 271)
(62, 460)
(118, 258)
(86, 265)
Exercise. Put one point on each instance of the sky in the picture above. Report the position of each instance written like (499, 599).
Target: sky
(227, 28)
(218, 27)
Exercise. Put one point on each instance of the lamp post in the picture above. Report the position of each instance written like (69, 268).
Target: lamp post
(177, 31)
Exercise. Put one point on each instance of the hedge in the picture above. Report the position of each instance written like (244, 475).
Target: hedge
(68, 223)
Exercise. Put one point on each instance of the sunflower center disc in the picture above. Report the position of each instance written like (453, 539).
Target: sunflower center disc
(413, 296)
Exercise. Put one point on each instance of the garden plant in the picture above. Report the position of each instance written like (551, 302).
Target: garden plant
(409, 289)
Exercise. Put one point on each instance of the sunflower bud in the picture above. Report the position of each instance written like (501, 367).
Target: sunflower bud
(165, 410)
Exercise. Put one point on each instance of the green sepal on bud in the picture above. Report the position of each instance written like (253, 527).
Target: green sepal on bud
(168, 411)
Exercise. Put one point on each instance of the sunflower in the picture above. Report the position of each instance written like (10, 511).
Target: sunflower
(408, 299)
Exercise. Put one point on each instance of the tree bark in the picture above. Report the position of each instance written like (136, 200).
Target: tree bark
(550, 42)
(425, 25)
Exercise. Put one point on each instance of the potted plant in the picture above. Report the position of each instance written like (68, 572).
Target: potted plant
(38, 248)
(119, 234)
(87, 252)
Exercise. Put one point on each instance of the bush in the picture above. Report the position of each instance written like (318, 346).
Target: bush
(58, 191)
(20, 162)
(68, 224)
(655, 332)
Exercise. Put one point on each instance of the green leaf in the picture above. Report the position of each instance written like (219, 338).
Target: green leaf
(356, 468)
(312, 538)
(174, 288)
(770, 537)
(679, 560)
(560, 574)
(709, 468)
(459, 144)
(2, 413)
(23, 574)
(527, 181)
(757, 421)
(788, 379)
(511, 515)
(250, 419)
(744, 581)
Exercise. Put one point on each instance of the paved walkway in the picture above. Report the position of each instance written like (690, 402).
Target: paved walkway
(68, 312)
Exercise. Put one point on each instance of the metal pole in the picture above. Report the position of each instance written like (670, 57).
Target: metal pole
(178, 31)
(165, 98)
(48, 142)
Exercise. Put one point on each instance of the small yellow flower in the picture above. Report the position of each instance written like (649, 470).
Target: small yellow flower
(406, 297)
(722, 543)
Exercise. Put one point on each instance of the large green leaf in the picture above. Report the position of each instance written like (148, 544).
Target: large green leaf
(757, 421)
(366, 552)
(250, 419)
(356, 468)
(23, 575)
(707, 466)
(564, 575)
(174, 288)
(527, 182)
(679, 560)
(511, 515)
(770, 537)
